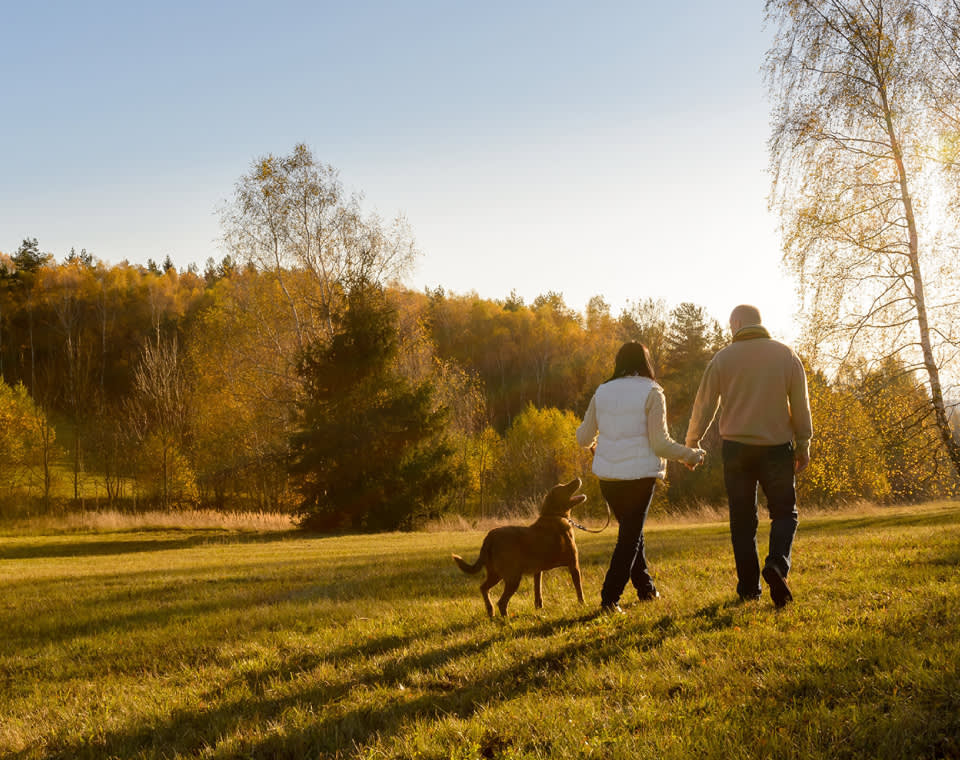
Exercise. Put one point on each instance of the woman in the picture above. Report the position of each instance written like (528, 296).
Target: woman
(626, 428)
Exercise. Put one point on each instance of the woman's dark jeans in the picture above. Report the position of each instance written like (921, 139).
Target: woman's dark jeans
(629, 501)
(771, 467)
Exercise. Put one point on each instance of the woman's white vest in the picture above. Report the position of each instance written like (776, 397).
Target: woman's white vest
(623, 446)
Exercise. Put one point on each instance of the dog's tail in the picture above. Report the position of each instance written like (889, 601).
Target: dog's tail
(475, 567)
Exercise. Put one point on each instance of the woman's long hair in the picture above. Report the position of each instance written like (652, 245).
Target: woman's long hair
(633, 359)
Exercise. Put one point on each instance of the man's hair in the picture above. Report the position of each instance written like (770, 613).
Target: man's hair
(633, 359)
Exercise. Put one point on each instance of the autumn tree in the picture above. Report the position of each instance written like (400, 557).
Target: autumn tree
(291, 214)
(68, 290)
(539, 354)
(456, 389)
(907, 440)
(847, 462)
(598, 348)
(489, 338)
(647, 321)
(554, 354)
(243, 389)
(157, 411)
(7, 270)
(27, 444)
(28, 261)
(541, 450)
(485, 460)
(861, 89)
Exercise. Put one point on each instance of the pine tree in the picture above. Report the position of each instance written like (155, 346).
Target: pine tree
(691, 340)
(371, 452)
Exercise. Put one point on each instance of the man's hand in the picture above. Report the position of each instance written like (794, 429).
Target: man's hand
(800, 462)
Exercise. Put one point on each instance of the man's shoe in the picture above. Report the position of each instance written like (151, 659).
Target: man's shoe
(649, 595)
(611, 608)
(749, 597)
(779, 591)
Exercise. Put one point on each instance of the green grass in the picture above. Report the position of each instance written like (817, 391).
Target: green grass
(224, 643)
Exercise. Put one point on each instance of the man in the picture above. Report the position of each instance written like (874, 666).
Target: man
(765, 429)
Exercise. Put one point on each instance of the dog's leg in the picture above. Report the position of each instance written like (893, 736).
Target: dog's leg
(575, 575)
(510, 586)
(538, 590)
(491, 580)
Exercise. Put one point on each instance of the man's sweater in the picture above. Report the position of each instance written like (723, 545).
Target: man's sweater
(763, 391)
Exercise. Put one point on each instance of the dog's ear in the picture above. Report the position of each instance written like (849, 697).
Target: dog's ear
(551, 501)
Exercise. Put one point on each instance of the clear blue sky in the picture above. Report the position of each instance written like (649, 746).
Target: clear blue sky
(611, 148)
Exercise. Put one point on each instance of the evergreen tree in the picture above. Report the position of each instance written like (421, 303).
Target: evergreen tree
(691, 340)
(371, 452)
(29, 257)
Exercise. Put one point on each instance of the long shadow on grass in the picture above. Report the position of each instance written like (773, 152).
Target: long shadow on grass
(191, 595)
(340, 729)
(717, 616)
(873, 719)
(81, 548)
(945, 517)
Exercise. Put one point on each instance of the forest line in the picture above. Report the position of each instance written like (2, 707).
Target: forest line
(176, 389)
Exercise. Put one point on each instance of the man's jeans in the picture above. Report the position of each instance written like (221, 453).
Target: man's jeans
(629, 500)
(744, 467)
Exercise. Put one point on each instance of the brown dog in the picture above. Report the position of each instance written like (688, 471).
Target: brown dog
(515, 550)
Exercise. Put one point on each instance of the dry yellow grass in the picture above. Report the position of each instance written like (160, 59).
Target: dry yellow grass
(108, 520)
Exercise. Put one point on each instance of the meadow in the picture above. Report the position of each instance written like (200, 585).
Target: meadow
(154, 640)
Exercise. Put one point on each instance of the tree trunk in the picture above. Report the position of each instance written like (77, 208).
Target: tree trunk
(164, 495)
(33, 359)
(76, 464)
(950, 443)
(47, 477)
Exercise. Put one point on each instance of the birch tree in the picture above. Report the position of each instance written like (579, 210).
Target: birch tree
(291, 213)
(157, 413)
(859, 90)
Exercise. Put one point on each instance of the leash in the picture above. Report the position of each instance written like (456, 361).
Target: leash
(575, 524)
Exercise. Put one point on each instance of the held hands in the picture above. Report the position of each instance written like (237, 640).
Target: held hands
(701, 456)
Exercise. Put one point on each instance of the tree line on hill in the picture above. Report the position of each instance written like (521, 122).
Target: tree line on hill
(297, 375)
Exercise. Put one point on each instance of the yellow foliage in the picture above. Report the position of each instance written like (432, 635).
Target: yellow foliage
(541, 450)
(167, 474)
(846, 456)
(24, 432)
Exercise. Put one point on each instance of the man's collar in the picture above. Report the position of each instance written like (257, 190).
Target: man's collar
(750, 332)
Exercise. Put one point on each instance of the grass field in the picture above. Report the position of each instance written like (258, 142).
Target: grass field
(223, 642)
